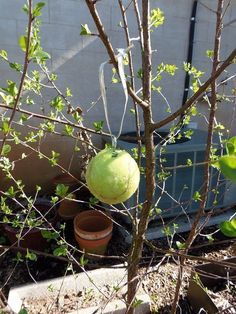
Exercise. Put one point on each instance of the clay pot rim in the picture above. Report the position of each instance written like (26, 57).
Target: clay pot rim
(90, 234)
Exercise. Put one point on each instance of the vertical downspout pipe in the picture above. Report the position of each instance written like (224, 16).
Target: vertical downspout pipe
(190, 49)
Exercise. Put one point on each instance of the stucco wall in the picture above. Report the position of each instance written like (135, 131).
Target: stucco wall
(76, 58)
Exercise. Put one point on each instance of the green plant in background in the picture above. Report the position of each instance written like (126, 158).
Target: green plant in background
(228, 228)
(227, 163)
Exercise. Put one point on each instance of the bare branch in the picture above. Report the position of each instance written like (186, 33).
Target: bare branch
(110, 50)
(206, 180)
(26, 63)
(40, 116)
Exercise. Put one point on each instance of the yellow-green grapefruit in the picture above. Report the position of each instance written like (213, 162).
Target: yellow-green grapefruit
(228, 166)
(112, 176)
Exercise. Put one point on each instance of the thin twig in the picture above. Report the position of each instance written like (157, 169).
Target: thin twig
(195, 226)
(26, 63)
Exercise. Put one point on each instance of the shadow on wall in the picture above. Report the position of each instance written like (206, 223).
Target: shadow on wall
(33, 170)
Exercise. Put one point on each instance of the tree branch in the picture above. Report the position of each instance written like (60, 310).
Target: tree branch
(26, 63)
(104, 38)
(43, 117)
(206, 179)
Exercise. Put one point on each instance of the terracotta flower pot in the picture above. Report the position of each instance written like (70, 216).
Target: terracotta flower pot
(68, 209)
(32, 238)
(93, 231)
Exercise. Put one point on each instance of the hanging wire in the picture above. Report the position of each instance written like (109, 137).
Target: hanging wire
(119, 57)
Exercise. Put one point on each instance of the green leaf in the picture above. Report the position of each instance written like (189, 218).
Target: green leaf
(197, 196)
(210, 53)
(18, 257)
(77, 116)
(62, 190)
(168, 68)
(49, 235)
(210, 238)
(228, 228)
(54, 199)
(98, 125)
(189, 162)
(84, 30)
(77, 148)
(158, 211)
(57, 103)
(114, 80)
(23, 42)
(31, 256)
(60, 251)
(157, 17)
(11, 192)
(68, 92)
(227, 165)
(69, 130)
(15, 66)
(219, 126)
(93, 200)
(41, 55)
(6, 149)
(180, 245)
(3, 54)
(11, 88)
(231, 146)
(83, 261)
(137, 303)
(140, 73)
(54, 159)
(37, 9)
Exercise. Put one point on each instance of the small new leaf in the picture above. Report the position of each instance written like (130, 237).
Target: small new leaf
(15, 66)
(31, 256)
(49, 235)
(84, 30)
(197, 196)
(60, 251)
(157, 17)
(83, 261)
(6, 149)
(57, 103)
(210, 53)
(98, 125)
(69, 130)
(41, 55)
(62, 190)
(37, 9)
(23, 42)
(180, 245)
(231, 146)
(3, 54)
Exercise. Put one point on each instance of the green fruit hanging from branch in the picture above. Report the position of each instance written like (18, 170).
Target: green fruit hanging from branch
(112, 176)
